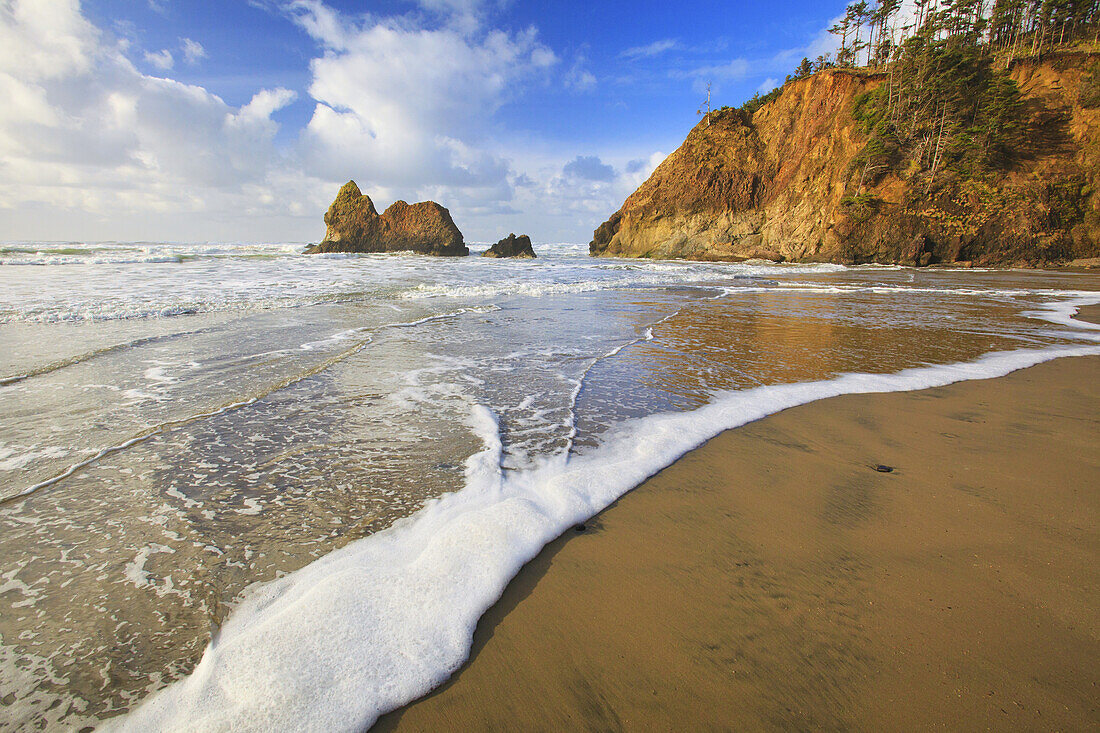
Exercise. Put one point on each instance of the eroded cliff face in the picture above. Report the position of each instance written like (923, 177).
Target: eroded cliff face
(779, 185)
(354, 225)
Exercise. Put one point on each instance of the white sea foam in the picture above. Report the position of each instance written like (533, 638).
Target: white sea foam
(166, 280)
(13, 459)
(389, 617)
(1063, 313)
(135, 571)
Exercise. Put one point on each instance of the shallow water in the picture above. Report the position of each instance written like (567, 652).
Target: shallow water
(179, 422)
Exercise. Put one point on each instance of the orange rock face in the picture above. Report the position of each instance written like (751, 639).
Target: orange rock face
(778, 185)
(354, 225)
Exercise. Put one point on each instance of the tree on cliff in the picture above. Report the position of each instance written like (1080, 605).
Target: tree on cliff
(947, 100)
(705, 105)
(1012, 26)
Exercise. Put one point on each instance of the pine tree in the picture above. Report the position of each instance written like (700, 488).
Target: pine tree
(841, 29)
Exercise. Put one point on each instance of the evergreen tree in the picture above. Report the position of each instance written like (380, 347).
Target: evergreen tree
(947, 99)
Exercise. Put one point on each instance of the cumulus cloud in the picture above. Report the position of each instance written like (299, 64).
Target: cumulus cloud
(263, 104)
(589, 168)
(88, 132)
(43, 40)
(91, 145)
(193, 52)
(409, 107)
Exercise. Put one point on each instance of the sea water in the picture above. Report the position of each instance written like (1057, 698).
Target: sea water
(245, 488)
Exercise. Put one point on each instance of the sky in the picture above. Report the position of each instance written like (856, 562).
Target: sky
(238, 120)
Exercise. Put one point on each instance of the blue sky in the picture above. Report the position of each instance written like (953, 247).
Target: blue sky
(239, 119)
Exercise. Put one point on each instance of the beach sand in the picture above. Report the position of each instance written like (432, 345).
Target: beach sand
(774, 579)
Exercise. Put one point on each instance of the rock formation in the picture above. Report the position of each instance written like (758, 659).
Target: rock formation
(780, 184)
(512, 246)
(355, 226)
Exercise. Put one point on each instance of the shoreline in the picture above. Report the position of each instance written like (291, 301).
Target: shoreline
(1082, 266)
(772, 578)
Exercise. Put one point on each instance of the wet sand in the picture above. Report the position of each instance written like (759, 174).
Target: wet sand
(773, 579)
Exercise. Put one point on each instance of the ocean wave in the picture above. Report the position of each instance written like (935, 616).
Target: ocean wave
(359, 339)
(95, 353)
(115, 311)
(134, 253)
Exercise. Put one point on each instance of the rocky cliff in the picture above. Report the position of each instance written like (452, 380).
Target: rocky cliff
(354, 225)
(785, 183)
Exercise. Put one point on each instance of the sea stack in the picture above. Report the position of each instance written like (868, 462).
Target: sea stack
(354, 225)
(512, 246)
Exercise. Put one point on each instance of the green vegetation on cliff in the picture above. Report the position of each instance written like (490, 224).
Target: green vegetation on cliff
(969, 135)
(948, 100)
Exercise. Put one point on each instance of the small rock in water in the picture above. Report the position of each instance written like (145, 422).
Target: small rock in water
(884, 469)
(580, 528)
(512, 246)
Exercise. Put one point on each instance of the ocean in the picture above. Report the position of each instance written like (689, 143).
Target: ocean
(245, 488)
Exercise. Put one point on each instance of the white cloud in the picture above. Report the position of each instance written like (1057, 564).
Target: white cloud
(768, 84)
(193, 51)
(715, 74)
(579, 78)
(465, 16)
(87, 136)
(648, 51)
(91, 146)
(460, 7)
(409, 107)
(730, 71)
(161, 59)
(264, 103)
(822, 44)
(45, 39)
(321, 22)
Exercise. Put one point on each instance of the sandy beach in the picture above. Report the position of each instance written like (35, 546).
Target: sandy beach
(775, 579)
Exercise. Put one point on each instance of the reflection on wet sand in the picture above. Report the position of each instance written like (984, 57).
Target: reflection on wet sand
(744, 340)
